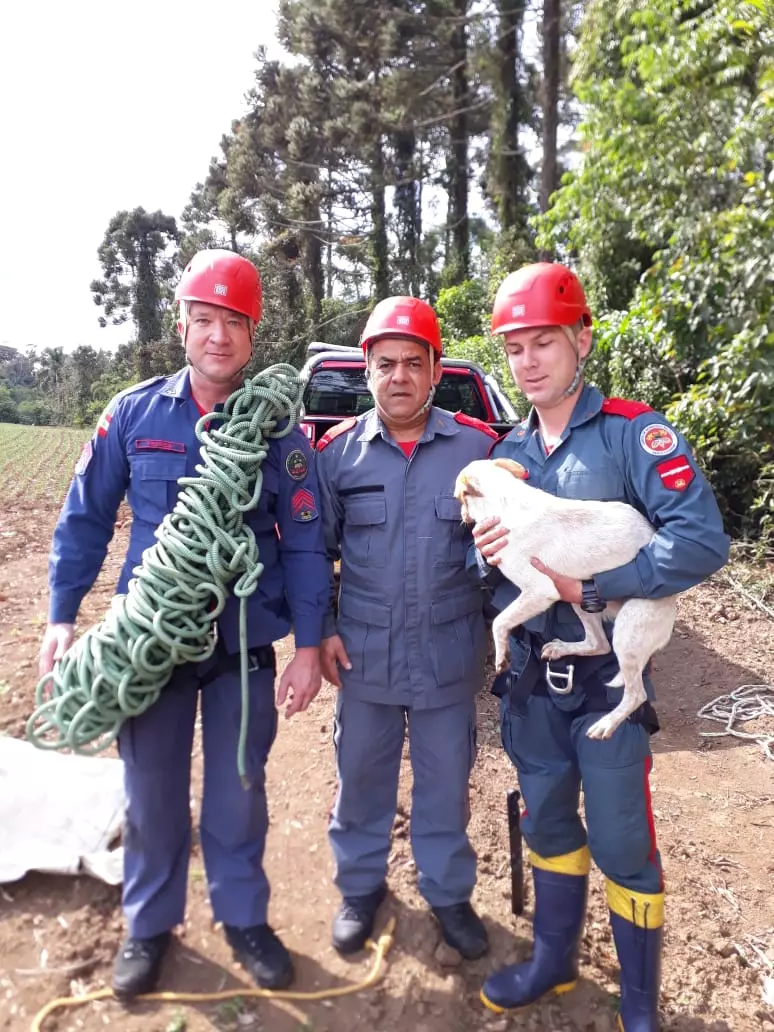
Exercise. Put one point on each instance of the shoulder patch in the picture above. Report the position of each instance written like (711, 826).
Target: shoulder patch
(658, 439)
(303, 505)
(296, 465)
(336, 431)
(104, 423)
(624, 407)
(85, 458)
(477, 424)
(676, 474)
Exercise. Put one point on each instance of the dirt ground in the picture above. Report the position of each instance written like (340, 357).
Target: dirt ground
(714, 805)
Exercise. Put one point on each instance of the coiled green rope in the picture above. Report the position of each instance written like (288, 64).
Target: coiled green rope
(118, 668)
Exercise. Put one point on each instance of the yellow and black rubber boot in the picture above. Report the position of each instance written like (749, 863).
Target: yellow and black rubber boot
(637, 920)
(561, 883)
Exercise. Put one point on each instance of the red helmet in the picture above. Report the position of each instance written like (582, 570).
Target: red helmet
(403, 317)
(222, 278)
(544, 294)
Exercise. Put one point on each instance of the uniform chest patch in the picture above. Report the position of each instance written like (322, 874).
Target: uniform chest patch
(676, 474)
(296, 465)
(658, 439)
(303, 505)
(153, 444)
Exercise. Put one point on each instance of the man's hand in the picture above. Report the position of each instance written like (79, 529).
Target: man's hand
(490, 538)
(300, 681)
(333, 655)
(570, 590)
(56, 641)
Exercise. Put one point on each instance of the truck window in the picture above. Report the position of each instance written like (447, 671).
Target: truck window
(343, 392)
(459, 392)
(337, 392)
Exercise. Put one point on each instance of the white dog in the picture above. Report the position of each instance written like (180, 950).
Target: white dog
(577, 539)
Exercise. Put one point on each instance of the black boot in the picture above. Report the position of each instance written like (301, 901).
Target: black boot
(354, 922)
(260, 952)
(138, 965)
(463, 930)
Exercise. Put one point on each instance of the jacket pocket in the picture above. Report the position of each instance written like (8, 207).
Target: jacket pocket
(458, 638)
(153, 485)
(452, 537)
(364, 627)
(604, 485)
(365, 530)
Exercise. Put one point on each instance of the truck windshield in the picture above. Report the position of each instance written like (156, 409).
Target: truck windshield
(343, 392)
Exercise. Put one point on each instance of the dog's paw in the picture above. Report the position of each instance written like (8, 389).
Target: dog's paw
(603, 728)
(558, 649)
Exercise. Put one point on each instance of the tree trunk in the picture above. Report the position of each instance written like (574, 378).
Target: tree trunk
(406, 201)
(510, 166)
(146, 301)
(313, 264)
(380, 250)
(552, 13)
(457, 164)
(329, 237)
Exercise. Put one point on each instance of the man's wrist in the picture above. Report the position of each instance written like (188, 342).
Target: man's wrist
(591, 600)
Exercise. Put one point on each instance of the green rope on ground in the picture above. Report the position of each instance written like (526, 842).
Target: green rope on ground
(118, 668)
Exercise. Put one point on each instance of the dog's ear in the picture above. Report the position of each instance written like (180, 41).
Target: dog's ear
(515, 468)
(466, 486)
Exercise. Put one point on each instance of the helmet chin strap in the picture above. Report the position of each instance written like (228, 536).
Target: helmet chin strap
(431, 393)
(580, 363)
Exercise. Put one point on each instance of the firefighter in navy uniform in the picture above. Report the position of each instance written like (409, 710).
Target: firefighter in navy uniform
(144, 442)
(577, 444)
(409, 645)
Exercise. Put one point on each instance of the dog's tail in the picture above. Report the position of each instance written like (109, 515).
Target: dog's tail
(617, 682)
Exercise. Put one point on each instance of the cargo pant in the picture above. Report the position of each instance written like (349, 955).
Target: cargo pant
(369, 742)
(156, 750)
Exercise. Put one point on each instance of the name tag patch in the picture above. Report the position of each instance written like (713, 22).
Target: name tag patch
(151, 444)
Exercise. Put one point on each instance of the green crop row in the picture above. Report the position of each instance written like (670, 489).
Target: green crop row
(37, 463)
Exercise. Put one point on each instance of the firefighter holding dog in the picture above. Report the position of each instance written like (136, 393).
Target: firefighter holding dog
(577, 444)
(144, 443)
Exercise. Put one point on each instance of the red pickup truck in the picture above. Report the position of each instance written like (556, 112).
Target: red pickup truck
(335, 388)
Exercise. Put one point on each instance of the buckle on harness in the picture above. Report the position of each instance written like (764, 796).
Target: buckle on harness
(565, 688)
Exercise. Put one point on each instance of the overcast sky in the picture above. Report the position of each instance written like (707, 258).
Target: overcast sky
(105, 106)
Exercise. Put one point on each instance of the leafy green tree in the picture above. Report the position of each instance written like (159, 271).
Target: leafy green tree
(35, 412)
(8, 410)
(137, 258)
(671, 217)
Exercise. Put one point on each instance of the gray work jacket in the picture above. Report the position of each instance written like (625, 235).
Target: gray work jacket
(410, 618)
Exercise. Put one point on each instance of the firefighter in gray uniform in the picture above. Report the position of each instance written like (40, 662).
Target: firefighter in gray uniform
(409, 644)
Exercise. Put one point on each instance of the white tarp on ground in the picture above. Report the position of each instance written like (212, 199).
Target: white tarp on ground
(58, 813)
